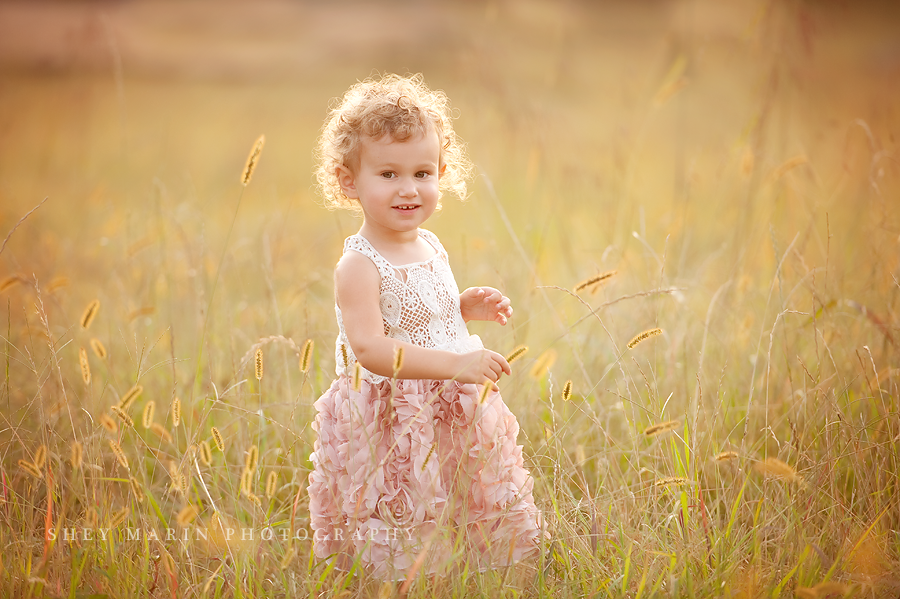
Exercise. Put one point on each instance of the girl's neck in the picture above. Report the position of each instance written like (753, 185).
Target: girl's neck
(399, 248)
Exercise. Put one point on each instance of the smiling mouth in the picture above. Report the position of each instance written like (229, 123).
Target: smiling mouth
(406, 207)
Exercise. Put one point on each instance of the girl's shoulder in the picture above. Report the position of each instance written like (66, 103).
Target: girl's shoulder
(433, 240)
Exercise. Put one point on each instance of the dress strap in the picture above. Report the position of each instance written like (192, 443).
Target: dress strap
(434, 241)
(360, 244)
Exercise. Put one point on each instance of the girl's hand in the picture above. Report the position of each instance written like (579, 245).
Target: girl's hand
(482, 366)
(485, 303)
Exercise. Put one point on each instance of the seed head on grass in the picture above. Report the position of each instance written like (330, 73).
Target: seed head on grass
(670, 481)
(123, 416)
(58, 283)
(136, 489)
(306, 355)
(357, 376)
(344, 358)
(99, 349)
(176, 412)
(662, 427)
(161, 432)
(30, 468)
(108, 423)
(516, 353)
(90, 313)
(142, 311)
(77, 455)
(117, 518)
(9, 282)
(149, 412)
(252, 160)
(205, 453)
(251, 461)
(255, 500)
(258, 363)
(775, 468)
(246, 481)
(428, 457)
(288, 558)
(271, 484)
(217, 439)
(130, 396)
(726, 456)
(485, 391)
(398, 358)
(85, 366)
(120, 455)
(643, 336)
(567, 391)
(543, 364)
(594, 282)
(187, 515)
(40, 457)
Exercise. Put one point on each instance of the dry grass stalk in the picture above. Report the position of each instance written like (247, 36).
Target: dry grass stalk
(271, 483)
(775, 468)
(176, 412)
(136, 489)
(662, 427)
(161, 432)
(252, 160)
(255, 500)
(40, 457)
(217, 439)
(258, 363)
(187, 515)
(120, 455)
(91, 518)
(9, 282)
(99, 349)
(85, 366)
(643, 336)
(130, 396)
(30, 468)
(251, 461)
(517, 353)
(123, 416)
(595, 281)
(149, 412)
(118, 517)
(543, 364)
(77, 455)
(344, 358)
(90, 313)
(108, 423)
(205, 453)
(580, 457)
(567, 391)
(288, 558)
(398, 359)
(386, 591)
(726, 456)
(306, 355)
(670, 481)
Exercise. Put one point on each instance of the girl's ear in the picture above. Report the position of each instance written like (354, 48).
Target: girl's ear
(442, 170)
(347, 182)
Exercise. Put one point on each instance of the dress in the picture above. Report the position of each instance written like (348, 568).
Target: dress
(413, 467)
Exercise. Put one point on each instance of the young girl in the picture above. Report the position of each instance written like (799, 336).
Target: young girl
(416, 461)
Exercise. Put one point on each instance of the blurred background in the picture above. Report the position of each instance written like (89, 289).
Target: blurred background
(682, 142)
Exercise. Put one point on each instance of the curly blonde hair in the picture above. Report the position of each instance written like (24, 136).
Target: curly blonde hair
(401, 107)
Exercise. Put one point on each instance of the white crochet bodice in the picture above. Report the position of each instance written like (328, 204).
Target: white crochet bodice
(419, 304)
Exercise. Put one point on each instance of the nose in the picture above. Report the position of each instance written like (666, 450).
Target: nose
(408, 189)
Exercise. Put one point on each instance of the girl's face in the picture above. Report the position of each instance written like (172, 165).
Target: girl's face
(395, 182)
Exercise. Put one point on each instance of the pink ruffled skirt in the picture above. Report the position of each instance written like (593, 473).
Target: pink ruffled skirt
(419, 471)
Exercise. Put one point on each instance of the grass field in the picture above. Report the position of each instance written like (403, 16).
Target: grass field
(735, 163)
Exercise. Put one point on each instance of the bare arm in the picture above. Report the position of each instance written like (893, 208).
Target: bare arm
(356, 282)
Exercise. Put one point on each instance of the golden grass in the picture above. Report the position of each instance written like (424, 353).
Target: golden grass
(662, 427)
(640, 337)
(89, 314)
(517, 353)
(252, 160)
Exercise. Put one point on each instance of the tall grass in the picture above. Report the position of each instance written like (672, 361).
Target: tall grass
(720, 418)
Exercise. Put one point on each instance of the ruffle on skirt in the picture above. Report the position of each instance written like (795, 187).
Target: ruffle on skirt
(419, 468)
